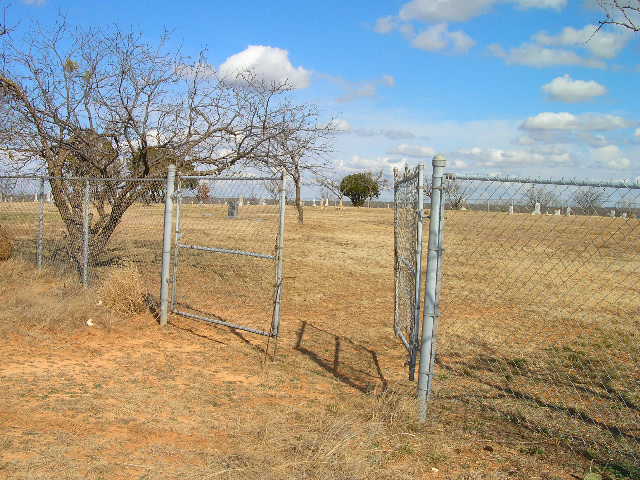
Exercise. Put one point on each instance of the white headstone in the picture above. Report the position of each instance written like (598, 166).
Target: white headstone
(241, 202)
(624, 215)
(569, 211)
(326, 202)
(612, 213)
(263, 202)
(557, 212)
(510, 209)
(536, 210)
(314, 202)
(49, 197)
(35, 197)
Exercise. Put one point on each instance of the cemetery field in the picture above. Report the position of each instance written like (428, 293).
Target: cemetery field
(538, 376)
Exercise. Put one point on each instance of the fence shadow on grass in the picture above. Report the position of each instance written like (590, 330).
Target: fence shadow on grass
(349, 362)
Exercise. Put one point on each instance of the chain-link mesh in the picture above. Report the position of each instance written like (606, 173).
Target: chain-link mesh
(541, 316)
(408, 252)
(83, 229)
(226, 264)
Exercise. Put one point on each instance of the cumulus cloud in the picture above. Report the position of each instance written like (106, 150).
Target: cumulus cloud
(268, 63)
(417, 151)
(37, 3)
(611, 156)
(602, 44)
(533, 55)
(565, 89)
(494, 157)
(461, 11)
(438, 37)
(569, 121)
(390, 133)
(359, 163)
(341, 125)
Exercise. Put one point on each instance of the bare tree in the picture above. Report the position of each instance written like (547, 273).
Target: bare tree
(272, 188)
(203, 192)
(623, 13)
(300, 149)
(540, 194)
(329, 184)
(96, 103)
(588, 199)
(381, 181)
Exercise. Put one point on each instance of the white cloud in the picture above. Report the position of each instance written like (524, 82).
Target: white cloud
(495, 157)
(565, 89)
(417, 151)
(555, 4)
(569, 121)
(611, 156)
(444, 10)
(602, 43)
(356, 90)
(532, 55)
(461, 11)
(35, 2)
(360, 163)
(637, 134)
(270, 64)
(438, 37)
(385, 25)
(390, 133)
(341, 125)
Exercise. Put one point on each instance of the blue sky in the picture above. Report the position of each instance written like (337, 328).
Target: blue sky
(517, 87)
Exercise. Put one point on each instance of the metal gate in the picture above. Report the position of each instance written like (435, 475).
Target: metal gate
(408, 221)
(228, 251)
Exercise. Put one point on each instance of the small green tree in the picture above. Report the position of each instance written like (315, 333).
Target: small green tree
(359, 187)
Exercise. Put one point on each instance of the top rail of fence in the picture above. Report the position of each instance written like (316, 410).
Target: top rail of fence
(546, 181)
(90, 179)
(208, 177)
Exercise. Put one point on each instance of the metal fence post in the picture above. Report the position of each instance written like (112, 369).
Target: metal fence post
(415, 334)
(166, 245)
(40, 242)
(431, 306)
(85, 234)
(275, 326)
(178, 236)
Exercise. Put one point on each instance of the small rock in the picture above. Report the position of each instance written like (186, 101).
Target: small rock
(488, 448)
(90, 322)
(434, 470)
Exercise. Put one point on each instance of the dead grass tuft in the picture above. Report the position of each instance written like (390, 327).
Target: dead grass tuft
(122, 291)
(6, 246)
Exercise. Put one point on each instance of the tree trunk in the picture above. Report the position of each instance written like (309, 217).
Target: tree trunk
(299, 204)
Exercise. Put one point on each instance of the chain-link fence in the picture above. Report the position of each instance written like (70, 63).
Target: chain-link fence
(408, 219)
(227, 266)
(539, 335)
(83, 228)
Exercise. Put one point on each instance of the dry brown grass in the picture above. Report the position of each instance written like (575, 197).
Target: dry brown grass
(6, 246)
(199, 402)
(122, 291)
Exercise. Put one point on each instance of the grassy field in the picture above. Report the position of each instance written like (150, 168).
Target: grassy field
(538, 371)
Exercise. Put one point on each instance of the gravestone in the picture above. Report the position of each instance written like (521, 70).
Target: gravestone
(536, 210)
(241, 202)
(624, 215)
(557, 212)
(612, 214)
(314, 203)
(510, 209)
(232, 211)
(262, 202)
(569, 211)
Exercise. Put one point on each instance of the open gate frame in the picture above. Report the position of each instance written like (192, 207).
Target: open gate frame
(176, 245)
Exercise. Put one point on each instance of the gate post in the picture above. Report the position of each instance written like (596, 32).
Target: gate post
(86, 204)
(40, 241)
(275, 326)
(415, 334)
(431, 298)
(166, 245)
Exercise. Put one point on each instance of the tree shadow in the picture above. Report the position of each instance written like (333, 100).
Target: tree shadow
(349, 362)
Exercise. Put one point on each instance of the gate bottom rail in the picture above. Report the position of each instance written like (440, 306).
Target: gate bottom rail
(223, 323)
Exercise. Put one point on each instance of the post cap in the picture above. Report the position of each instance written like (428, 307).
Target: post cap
(439, 161)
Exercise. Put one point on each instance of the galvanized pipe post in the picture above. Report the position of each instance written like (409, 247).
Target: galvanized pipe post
(85, 233)
(178, 236)
(40, 242)
(275, 326)
(166, 245)
(415, 333)
(431, 305)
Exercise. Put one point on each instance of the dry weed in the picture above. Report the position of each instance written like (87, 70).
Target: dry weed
(122, 291)
(6, 247)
